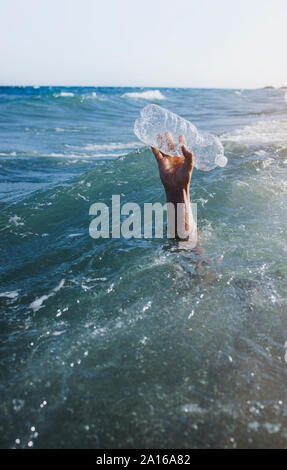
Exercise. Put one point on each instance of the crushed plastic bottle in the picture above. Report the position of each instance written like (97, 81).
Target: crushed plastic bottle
(155, 121)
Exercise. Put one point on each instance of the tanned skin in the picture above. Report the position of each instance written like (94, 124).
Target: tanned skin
(175, 174)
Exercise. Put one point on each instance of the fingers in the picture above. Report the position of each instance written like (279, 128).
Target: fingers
(170, 142)
(188, 157)
(182, 140)
(157, 154)
(160, 140)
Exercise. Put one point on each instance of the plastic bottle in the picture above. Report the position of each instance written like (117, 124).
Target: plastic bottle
(155, 121)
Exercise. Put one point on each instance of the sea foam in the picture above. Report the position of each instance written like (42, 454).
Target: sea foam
(38, 303)
(10, 295)
(112, 146)
(63, 94)
(145, 95)
(260, 132)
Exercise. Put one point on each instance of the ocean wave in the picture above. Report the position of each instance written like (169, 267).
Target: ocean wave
(145, 95)
(113, 146)
(81, 155)
(111, 150)
(90, 151)
(93, 96)
(8, 154)
(260, 132)
(63, 94)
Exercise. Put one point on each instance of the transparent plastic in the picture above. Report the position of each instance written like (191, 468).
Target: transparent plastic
(155, 121)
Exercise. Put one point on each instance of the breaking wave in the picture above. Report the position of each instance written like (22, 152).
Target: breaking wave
(145, 95)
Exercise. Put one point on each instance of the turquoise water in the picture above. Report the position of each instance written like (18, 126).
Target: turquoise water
(133, 343)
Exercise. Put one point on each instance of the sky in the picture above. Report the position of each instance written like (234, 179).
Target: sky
(153, 43)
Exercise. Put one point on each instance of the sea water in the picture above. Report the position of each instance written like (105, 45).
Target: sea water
(117, 343)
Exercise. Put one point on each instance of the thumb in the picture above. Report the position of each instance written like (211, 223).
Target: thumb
(157, 154)
(188, 157)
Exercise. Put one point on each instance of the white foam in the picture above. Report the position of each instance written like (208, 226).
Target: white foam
(38, 303)
(5, 154)
(63, 94)
(58, 333)
(145, 95)
(61, 284)
(260, 132)
(112, 146)
(72, 235)
(15, 220)
(10, 295)
(93, 96)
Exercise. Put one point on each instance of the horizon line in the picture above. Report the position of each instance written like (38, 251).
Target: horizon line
(35, 86)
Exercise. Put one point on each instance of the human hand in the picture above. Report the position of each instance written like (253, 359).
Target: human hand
(175, 172)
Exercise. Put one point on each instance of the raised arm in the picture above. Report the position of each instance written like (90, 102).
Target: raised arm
(175, 174)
